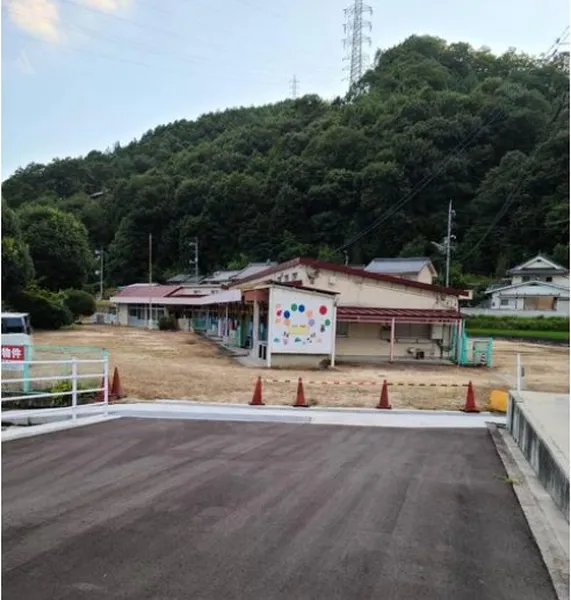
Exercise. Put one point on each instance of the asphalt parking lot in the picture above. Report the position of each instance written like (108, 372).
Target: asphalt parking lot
(188, 510)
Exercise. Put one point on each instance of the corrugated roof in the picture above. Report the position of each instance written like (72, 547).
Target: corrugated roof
(397, 265)
(221, 276)
(147, 291)
(253, 269)
(335, 268)
(360, 314)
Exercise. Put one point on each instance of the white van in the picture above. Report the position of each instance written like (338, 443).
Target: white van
(16, 330)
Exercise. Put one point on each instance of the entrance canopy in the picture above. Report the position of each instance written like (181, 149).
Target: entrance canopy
(361, 314)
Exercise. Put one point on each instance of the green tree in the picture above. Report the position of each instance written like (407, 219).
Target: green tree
(430, 122)
(79, 303)
(17, 264)
(58, 245)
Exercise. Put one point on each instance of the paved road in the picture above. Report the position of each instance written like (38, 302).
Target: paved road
(187, 510)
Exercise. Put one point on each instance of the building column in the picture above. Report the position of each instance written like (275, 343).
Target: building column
(256, 329)
(333, 333)
(392, 350)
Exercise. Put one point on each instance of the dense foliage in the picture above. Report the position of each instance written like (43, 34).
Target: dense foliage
(59, 250)
(79, 303)
(431, 122)
(47, 309)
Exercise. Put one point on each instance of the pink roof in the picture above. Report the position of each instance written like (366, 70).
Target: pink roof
(146, 291)
(362, 314)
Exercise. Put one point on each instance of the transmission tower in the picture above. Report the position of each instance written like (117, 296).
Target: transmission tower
(293, 86)
(355, 37)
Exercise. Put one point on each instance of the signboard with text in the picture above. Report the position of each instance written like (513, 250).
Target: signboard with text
(10, 353)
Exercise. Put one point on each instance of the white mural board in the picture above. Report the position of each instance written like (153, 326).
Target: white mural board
(300, 322)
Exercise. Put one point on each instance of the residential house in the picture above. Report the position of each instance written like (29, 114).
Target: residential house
(538, 284)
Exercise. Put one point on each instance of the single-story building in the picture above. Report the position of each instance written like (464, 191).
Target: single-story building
(378, 317)
(305, 311)
(530, 295)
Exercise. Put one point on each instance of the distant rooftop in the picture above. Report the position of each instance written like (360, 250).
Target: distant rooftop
(254, 269)
(220, 276)
(185, 278)
(397, 265)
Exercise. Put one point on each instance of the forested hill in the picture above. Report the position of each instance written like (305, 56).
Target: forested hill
(431, 122)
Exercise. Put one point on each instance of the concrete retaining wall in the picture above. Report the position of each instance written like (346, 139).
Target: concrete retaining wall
(550, 473)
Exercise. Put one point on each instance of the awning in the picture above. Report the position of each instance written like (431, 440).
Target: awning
(225, 297)
(360, 314)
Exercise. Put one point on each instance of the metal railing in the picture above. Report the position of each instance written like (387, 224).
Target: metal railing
(75, 377)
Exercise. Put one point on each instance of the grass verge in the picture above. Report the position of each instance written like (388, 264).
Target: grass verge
(551, 336)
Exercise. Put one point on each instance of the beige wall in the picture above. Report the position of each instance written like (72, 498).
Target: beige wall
(357, 291)
(122, 314)
(556, 279)
(302, 361)
(425, 275)
(373, 340)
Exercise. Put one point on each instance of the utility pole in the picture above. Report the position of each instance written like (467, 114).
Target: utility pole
(354, 29)
(194, 261)
(100, 254)
(446, 246)
(293, 85)
(449, 238)
(150, 324)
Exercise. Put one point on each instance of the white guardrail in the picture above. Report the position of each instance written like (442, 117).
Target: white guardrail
(74, 377)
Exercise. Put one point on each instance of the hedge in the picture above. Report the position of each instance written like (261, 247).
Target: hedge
(505, 323)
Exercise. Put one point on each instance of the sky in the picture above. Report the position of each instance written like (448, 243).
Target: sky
(79, 75)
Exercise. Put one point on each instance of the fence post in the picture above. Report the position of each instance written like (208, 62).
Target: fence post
(74, 388)
(519, 374)
(106, 385)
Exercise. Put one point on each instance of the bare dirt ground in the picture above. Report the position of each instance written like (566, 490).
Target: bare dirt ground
(176, 365)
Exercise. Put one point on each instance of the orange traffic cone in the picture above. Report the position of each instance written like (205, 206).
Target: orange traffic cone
(300, 396)
(470, 405)
(257, 397)
(384, 399)
(116, 392)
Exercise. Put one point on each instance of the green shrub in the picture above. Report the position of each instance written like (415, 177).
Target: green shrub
(63, 388)
(79, 303)
(168, 323)
(518, 323)
(46, 309)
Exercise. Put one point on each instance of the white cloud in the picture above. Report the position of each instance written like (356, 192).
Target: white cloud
(108, 6)
(40, 18)
(24, 65)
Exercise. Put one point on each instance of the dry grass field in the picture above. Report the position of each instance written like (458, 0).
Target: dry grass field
(176, 365)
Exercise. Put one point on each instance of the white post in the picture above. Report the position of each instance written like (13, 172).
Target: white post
(74, 389)
(106, 386)
(392, 341)
(334, 332)
(519, 374)
(269, 332)
(256, 329)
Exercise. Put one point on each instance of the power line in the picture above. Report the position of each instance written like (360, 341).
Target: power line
(136, 45)
(170, 33)
(355, 38)
(494, 116)
(525, 173)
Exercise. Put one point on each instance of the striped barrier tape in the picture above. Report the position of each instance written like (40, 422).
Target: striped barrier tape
(364, 383)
